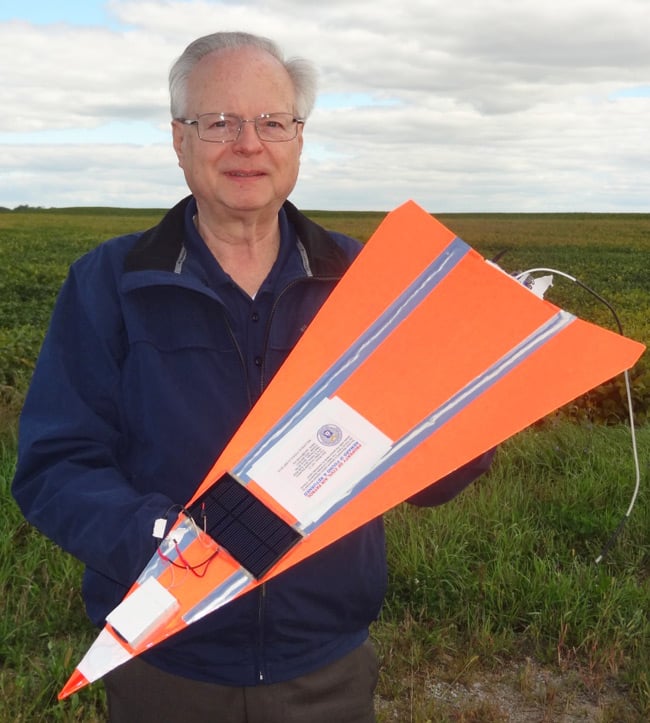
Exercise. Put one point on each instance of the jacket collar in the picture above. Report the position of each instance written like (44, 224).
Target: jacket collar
(159, 248)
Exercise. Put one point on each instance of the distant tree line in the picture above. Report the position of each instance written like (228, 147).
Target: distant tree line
(22, 207)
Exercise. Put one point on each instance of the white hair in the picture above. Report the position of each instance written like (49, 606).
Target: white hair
(302, 72)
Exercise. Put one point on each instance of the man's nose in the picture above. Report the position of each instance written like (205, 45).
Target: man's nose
(247, 137)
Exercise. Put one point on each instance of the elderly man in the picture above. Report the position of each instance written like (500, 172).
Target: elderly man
(159, 345)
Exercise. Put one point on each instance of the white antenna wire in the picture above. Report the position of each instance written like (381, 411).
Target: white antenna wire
(521, 276)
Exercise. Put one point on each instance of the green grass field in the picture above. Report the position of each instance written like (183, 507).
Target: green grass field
(497, 591)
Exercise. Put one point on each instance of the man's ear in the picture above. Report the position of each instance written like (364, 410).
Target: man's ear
(178, 135)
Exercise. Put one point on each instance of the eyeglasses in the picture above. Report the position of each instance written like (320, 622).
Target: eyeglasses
(226, 127)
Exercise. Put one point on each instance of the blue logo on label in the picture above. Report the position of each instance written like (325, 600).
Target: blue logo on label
(329, 435)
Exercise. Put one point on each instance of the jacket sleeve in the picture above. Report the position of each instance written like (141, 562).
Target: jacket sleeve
(448, 487)
(68, 481)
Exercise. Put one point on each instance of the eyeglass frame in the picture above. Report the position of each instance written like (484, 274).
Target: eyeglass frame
(195, 122)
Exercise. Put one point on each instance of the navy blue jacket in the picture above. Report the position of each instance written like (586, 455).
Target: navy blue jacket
(152, 360)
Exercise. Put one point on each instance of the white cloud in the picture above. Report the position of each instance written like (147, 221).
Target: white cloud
(90, 175)
(462, 106)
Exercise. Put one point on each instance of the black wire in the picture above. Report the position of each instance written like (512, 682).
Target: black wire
(604, 301)
(184, 510)
(614, 536)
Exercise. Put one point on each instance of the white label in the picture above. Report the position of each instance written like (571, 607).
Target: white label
(319, 461)
(159, 527)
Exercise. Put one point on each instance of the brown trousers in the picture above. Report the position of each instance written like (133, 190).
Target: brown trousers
(338, 693)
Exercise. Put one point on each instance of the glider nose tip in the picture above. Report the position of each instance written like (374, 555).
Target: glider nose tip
(75, 683)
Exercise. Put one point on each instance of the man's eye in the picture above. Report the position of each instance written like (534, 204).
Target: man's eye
(220, 124)
(273, 123)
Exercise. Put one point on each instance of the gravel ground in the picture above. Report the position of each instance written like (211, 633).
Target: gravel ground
(518, 693)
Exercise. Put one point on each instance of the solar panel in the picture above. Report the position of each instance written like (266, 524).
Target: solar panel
(243, 525)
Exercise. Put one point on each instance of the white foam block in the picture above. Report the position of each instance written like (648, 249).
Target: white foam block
(145, 609)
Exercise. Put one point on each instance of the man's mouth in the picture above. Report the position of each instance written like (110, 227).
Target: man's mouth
(244, 174)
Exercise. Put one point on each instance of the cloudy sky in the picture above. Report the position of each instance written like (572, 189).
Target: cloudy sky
(461, 105)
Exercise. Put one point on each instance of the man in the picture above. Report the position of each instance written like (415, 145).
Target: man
(159, 345)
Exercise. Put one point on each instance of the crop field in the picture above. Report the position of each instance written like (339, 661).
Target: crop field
(496, 610)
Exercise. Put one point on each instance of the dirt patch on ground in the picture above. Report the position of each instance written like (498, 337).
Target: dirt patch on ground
(517, 693)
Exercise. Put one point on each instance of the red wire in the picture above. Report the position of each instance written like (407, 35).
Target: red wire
(186, 566)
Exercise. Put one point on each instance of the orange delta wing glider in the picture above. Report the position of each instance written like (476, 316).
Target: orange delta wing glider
(424, 357)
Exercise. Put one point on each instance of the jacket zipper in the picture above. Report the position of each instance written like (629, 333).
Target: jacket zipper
(240, 354)
(288, 287)
(260, 628)
(262, 587)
